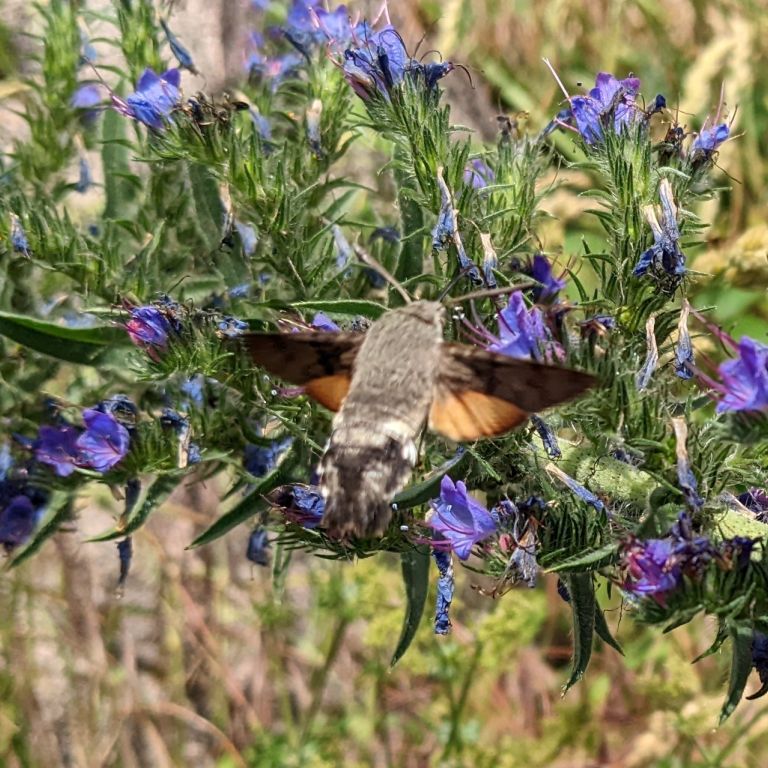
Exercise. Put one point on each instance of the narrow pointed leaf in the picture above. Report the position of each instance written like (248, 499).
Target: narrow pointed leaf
(582, 591)
(741, 666)
(415, 567)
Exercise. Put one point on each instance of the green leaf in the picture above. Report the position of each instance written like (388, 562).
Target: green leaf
(603, 630)
(415, 567)
(119, 188)
(58, 510)
(208, 205)
(72, 345)
(370, 309)
(156, 494)
(741, 666)
(420, 493)
(252, 504)
(583, 605)
(591, 558)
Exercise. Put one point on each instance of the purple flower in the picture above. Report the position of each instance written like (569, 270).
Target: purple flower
(541, 271)
(124, 556)
(18, 519)
(664, 256)
(745, 379)
(651, 568)
(148, 328)
(104, 443)
(275, 69)
(301, 504)
(445, 588)
(193, 388)
(548, 437)
(57, 446)
(322, 322)
(478, 174)
(461, 521)
(155, 98)
(521, 330)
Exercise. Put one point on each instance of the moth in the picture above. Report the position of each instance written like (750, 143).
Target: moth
(386, 385)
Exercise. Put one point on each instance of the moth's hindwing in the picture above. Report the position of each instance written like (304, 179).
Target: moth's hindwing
(481, 394)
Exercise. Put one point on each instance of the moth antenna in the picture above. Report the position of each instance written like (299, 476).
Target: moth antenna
(426, 53)
(370, 262)
(489, 293)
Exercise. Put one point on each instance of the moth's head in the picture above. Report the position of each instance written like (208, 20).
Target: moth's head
(430, 312)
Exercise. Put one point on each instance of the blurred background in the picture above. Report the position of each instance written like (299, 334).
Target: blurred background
(206, 660)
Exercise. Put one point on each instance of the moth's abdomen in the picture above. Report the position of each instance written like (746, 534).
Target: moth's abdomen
(361, 470)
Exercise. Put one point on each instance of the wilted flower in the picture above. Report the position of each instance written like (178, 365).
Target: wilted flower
(685, 477)
(125, 556)
(461, 521)
(643, 377)
(549, 285)
(178, 50)
(684, 347)
(664, 256)
(57, 447)
(258, 546)
(760, 662)
(344, 253)
(18, 236)
(84, 179)
(576, 487)
(445, 588)
(104, 443)
(547, 436)
(478, 174)
(155, 98)
(745, 379)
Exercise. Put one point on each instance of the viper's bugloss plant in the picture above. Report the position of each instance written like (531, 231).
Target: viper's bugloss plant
(220, 214)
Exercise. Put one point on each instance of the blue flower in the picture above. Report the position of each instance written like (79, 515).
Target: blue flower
(322, 322)
(576, 488)
(178, 50)
(258, 546)
(445, 589)
(521, 330)
(230, 327)
(301, 504)
(461, 521)
(378, 65)
(709, 139)
(193, 388)
(57, 447)
(651, 569)
(148, 328)
(664, 256)
(745, 378)
(87, 98)
(541, 271)
(610, 104)
(124, 555)
(258, 460)
(104, 443)
(275, 69)
(155, 98)
(248, 238)
(478, 174)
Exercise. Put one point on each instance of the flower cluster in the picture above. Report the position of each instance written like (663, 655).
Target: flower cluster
(657, 568)
(22, 504)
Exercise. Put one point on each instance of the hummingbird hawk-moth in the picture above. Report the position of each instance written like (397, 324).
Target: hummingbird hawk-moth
(385, 385)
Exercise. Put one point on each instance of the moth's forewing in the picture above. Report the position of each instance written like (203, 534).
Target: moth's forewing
(481, 394)
(322, 362)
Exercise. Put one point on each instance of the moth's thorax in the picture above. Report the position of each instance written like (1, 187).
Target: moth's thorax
(394, 373)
